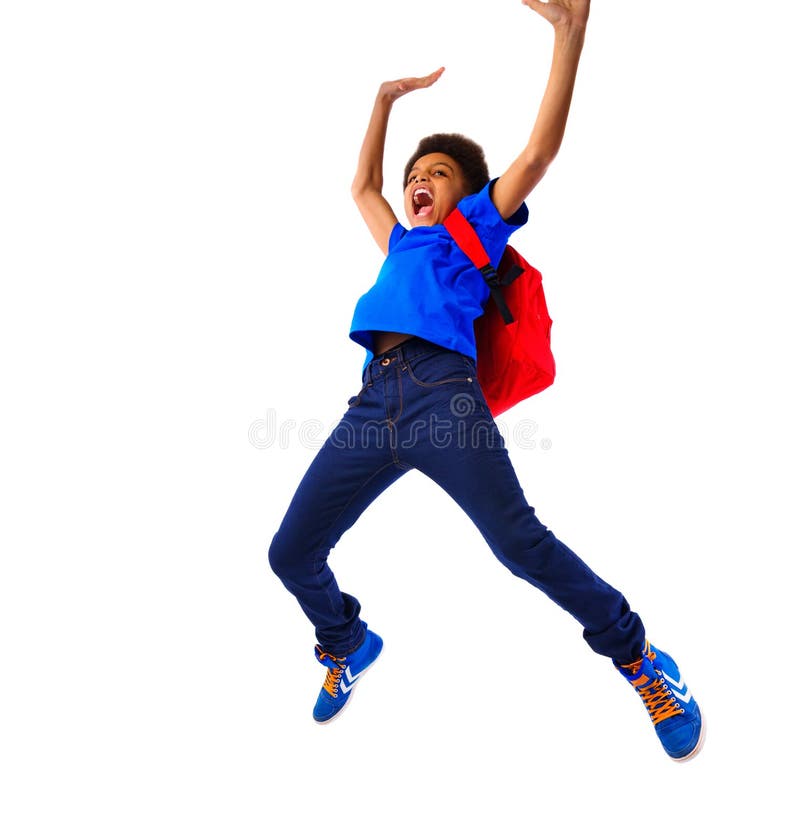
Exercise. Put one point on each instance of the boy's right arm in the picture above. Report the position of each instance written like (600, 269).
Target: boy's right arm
(367, 186)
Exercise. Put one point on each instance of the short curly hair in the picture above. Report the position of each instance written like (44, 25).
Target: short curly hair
(465, 152)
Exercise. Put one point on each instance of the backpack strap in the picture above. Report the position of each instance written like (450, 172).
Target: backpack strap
(467, 239)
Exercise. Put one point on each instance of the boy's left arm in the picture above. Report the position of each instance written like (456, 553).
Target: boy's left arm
(568, 18)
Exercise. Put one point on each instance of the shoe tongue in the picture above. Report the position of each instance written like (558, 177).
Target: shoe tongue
(632, 669)
(636, 669)
(327, 659)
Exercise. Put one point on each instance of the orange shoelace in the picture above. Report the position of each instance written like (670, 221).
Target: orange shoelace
(655, 694)
(657, 698)
(334, 675)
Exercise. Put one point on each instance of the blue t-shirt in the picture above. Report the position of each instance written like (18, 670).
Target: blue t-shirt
(428, 287)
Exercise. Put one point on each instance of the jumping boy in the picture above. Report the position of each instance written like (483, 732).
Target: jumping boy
(416, 323)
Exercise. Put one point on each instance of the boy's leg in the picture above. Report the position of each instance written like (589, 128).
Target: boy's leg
(476, 472)
(353, 467)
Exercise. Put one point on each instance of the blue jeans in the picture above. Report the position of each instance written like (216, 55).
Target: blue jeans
(421, 408)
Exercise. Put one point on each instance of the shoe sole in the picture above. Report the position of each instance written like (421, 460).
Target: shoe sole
(352, 691)
(700, 741)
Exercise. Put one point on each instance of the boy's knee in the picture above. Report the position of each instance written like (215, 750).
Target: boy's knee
(280, 553)
(526, 552)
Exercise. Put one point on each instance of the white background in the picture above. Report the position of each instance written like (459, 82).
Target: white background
(180, 260)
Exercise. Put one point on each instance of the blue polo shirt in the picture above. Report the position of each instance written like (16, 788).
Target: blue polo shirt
(427, 286)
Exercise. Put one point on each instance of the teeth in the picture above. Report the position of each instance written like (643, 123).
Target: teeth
(422, 191)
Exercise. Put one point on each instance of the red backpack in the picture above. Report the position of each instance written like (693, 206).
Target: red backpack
(514, 358)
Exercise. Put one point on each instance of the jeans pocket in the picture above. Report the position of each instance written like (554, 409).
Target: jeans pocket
(437, 369)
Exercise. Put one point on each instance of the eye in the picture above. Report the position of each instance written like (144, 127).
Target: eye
(439, 172)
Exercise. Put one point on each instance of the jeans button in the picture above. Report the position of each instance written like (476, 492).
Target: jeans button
(385, 362)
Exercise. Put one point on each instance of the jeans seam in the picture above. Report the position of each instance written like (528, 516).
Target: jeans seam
(393, 421)
(341, 513)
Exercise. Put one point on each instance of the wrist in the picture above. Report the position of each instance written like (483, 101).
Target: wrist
(570, 34)
(386, 96)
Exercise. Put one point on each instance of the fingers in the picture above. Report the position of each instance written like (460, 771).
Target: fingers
(401, 87)
(434, 77)
(546, 10)
(536, 5)
(423, 81)
(561, 11)
(417, 82)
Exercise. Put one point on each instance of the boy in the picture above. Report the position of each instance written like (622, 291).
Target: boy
(416, 324)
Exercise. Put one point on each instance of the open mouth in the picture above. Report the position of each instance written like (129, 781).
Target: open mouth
(423, 202)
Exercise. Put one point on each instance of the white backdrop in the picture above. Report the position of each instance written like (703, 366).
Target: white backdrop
(180, 260)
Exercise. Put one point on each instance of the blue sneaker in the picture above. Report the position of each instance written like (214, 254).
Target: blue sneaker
(343, 674)
(674, 712)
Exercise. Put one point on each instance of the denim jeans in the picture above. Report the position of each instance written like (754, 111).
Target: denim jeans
(421, 408)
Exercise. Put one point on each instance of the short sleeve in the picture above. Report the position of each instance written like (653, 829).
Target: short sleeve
(491, 227)
(398, 232)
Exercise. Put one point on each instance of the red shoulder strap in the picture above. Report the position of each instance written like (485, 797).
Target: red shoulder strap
(465, 237)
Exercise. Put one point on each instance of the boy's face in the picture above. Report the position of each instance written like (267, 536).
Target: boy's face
(435, 185)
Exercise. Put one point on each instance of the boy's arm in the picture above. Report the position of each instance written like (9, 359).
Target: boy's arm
(367, 186)
(568, 18)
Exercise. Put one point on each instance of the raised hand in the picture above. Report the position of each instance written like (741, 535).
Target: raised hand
(400, 87)
(367, 186)
(561, 12)
(569, 18)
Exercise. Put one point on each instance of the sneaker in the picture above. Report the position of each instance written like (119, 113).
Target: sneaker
(674, 712)
(343, 674)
